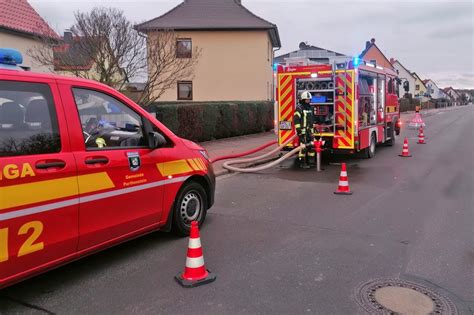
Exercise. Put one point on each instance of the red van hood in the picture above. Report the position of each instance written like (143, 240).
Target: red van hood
(191, 145)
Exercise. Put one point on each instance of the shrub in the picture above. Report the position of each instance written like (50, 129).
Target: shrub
(214, 120)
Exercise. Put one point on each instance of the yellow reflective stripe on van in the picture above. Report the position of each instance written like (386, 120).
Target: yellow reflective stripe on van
(46, 190)
(94, 182)
(194, 165)
(174, 167)
(201, 163)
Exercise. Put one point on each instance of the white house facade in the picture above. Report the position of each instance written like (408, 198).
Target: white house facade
(405, 76)
(433, 90)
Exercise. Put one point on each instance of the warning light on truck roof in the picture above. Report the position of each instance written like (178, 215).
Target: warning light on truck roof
(356, 61)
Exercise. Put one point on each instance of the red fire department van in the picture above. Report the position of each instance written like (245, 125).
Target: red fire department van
(82, 168)
(355, 104)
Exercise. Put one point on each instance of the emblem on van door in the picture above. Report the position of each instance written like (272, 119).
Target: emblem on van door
(133, 160)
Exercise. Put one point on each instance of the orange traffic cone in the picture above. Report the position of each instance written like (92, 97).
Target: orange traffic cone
(421, 136)
(195, 273)
(405, 152)
(343, 187)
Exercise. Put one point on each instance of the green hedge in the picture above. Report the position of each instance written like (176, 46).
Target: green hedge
(214, 120)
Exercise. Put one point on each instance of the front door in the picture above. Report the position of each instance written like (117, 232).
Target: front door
(120, 191)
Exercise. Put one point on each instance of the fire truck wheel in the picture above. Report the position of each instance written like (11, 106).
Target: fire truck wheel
(391, 134)
(371, 148)
(190, 205)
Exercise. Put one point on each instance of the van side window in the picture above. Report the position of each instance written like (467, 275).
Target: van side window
(28, 121)
(108, 123)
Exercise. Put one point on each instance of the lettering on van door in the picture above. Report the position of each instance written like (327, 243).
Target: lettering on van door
(32, 230)
(14, 171)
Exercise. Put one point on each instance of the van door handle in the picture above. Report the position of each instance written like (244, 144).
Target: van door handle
(46, 165)
(97, 160)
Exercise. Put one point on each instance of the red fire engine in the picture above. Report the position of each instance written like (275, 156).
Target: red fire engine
(355, 104)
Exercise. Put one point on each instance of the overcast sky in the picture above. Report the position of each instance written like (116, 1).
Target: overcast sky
(433, 38)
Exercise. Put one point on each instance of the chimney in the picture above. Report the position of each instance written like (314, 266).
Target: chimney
(303, 46)
(392, 61)
(68, 37)
(367, 44)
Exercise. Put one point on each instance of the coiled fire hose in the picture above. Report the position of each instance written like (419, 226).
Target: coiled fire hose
(228, 165)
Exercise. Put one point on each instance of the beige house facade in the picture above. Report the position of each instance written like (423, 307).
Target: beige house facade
(233, 66)
(236, 51)
(22, 28)
(23, 44)
(420, 88)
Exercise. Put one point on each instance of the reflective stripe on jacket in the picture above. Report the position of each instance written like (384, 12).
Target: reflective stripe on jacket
(304, 121)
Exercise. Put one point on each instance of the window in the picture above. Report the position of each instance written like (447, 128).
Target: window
(184, 48)
(107, 123)
(366, 100)
(417, 87)
(390, 86)
(28, 121)
(185, 90)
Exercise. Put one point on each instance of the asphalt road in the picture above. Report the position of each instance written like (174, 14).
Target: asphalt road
(282, 242)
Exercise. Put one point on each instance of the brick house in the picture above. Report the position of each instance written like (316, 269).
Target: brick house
(373, 54)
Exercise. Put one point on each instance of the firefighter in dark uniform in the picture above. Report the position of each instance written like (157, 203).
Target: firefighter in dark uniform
(304, 125)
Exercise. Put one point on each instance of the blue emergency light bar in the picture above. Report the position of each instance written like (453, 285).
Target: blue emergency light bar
(9, 56)
(356, 61)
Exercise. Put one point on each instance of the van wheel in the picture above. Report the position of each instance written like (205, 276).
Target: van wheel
(371, 149)
(190, 205)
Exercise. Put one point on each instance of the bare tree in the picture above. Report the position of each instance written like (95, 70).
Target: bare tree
(104, 46)
(165, 67)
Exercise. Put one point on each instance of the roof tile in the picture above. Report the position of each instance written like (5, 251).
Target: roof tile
(207, 15)
(19, 15)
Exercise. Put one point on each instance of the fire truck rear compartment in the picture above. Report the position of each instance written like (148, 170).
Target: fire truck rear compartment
(323, 96)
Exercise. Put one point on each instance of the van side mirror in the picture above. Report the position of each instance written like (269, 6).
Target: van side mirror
(156, 140)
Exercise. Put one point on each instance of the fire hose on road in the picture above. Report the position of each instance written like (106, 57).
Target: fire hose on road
(229, 164)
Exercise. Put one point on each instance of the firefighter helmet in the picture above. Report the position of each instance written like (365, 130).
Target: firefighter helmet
(305, 95)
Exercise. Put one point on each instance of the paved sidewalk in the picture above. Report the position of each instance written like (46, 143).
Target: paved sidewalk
(233, 145)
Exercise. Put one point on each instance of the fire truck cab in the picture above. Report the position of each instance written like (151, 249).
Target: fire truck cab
(355, 104)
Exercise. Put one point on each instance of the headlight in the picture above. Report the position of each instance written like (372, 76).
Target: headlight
(204, 154)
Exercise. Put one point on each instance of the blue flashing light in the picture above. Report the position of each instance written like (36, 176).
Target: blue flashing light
(275, 67)
(10, 56)
(356, 61)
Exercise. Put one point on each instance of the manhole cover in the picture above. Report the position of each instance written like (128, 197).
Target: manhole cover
(395, 296)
